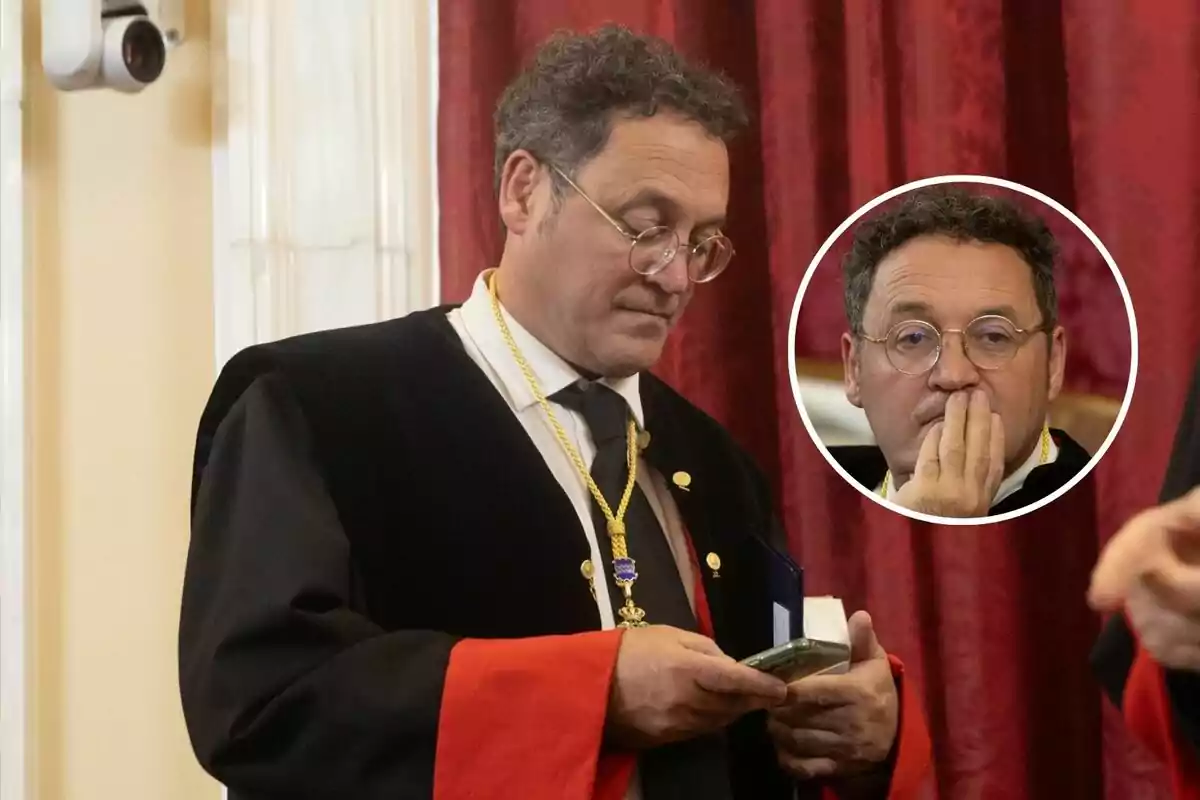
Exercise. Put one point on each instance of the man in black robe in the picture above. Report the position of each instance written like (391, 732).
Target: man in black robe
(479, 551)
(1148, 657)
(955, 354)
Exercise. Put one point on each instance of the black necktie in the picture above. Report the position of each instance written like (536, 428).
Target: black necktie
(696, 769)
(658, 589)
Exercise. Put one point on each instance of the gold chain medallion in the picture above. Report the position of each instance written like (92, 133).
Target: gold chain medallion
(624, 567)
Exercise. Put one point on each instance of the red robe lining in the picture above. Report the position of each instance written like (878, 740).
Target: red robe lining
(1147, 711)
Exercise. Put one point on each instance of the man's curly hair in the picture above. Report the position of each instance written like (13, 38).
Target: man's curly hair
(561, 107)
(958, 214)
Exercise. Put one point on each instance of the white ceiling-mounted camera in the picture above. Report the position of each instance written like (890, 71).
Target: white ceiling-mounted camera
(108, 44)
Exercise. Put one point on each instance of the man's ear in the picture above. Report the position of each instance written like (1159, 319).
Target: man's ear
(519, 180)
(1058, 361)
(850, 369)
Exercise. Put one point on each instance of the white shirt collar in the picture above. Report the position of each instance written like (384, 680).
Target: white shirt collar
(550, 370)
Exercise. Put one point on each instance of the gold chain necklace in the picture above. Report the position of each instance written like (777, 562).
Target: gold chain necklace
(624, 567)
(1045, 455)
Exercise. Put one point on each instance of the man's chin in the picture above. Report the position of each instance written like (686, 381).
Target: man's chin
(630, 356)
(903, 461)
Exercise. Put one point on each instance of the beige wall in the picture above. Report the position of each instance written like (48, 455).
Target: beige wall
(119, 232)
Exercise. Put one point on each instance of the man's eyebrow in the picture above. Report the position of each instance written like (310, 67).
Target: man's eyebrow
(910, 307)
(652, 198)
(998, 311)
(925, 311)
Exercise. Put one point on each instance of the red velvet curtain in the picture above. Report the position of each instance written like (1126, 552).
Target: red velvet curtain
(1095, 104)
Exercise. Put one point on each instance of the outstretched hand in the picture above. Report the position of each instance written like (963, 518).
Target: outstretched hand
(1151, 569)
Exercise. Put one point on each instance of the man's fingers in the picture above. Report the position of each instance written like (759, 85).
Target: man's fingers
(1117, 568)
(952, 451)
(1143, 543)
(817, 693)
(1171, 638)
(995, 474)
(864, 644)
(711, 708)
(928, 466)
(1185, 531)
(807, 769)
(978, 437)
(809, 742)
(835, 720)
(1175, 586)
(729, 677)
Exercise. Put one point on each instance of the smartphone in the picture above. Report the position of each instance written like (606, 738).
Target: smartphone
(800, 658)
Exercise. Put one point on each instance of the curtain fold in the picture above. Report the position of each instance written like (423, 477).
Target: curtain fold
(1097, 105)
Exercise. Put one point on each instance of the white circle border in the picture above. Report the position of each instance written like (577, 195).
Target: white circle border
(989, 181)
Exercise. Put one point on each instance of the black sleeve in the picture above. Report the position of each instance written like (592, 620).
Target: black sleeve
(288, 688)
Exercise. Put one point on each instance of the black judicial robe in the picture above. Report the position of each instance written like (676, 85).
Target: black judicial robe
(866, 465)
(1161, 706)
(383, 596)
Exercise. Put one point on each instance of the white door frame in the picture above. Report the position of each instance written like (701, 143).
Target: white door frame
(261, 287)
(14, 536)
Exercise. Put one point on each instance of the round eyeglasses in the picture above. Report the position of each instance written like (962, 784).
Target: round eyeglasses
(989, 342)
(652, 250)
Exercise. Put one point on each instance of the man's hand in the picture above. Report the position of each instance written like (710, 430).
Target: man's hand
(671, 685)
(840, 725)
(1151, 567)
(961, 463)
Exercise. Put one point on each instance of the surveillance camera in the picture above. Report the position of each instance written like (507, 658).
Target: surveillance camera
(107, 44)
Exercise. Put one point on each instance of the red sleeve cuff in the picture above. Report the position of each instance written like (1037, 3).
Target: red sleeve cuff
(525, 718)
(1147, 711)
(913, 767)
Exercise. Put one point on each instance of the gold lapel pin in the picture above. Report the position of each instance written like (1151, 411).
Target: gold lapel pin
(682, 480)
(588, 571)
(643, 440)
(714, 563)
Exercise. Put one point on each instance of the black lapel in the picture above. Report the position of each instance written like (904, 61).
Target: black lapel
(695, 487)
(1043, 481)
(864, 463)
(1112, 658)
(515, 472)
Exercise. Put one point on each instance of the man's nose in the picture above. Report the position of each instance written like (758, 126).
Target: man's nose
(953, 370)
(673, 278)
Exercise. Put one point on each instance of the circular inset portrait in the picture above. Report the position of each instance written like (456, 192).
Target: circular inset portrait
(980, 355)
